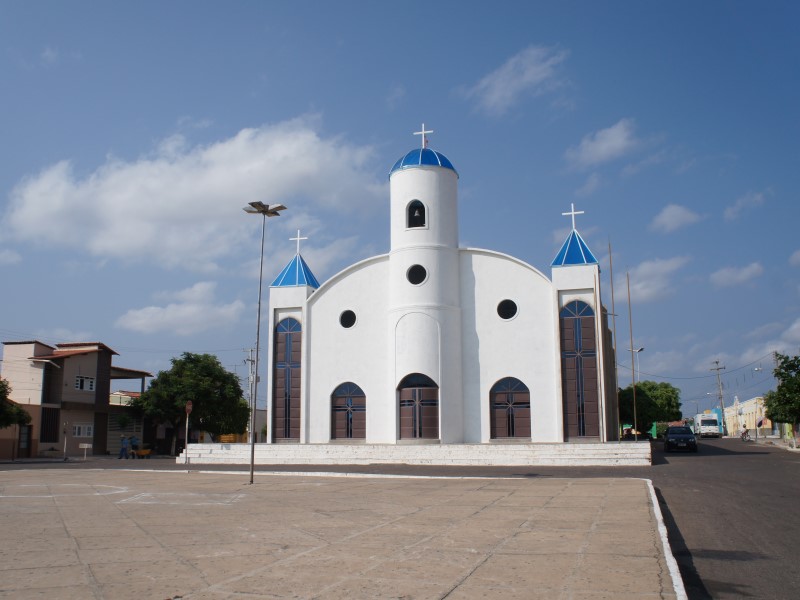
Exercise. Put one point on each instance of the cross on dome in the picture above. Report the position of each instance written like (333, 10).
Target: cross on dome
(424, 137)
(572, 213)
(298, 238)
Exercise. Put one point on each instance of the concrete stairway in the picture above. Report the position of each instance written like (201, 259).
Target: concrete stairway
(579, 454)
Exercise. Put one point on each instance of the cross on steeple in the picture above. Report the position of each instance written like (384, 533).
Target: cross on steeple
(298, 238)
(424, 137)
(572, 213)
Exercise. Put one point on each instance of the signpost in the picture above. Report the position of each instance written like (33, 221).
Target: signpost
(85, 448)
(186, 439)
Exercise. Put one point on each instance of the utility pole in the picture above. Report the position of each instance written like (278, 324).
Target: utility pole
(719, 388)
(614, 323)
(251, 377)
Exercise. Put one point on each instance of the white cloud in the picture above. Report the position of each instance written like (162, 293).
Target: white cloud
(49, 56)
(649, 161)
(794, 259)
(603, 145)
(674, 217)
(9, 257)
(395, 97)
(590, 186)
(188, 311)
(651, 280)
(532, 71)
(786, 343)
(182, 205)
(736, 275)
(62, 335)
(751, 200)
(765, 330)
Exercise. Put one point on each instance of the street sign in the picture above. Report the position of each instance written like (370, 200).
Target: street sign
(189, 407)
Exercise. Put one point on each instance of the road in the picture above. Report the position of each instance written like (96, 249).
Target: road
(733, 518)
(731, 510)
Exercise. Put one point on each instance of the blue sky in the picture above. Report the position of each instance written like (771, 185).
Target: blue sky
(134, 133)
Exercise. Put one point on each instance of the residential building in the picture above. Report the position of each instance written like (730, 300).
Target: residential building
(66, 389)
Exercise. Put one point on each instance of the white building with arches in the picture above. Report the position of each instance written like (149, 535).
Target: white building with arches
(435, 343)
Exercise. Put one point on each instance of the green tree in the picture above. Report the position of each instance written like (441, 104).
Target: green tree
(647, 411)
(10, 412)
(783, 404)
(218, 405)
(666, 396)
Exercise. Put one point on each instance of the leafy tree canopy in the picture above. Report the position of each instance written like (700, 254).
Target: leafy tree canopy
(783, 404)
(647, 411)
(666, 396)
(10, 413)
(218, 405)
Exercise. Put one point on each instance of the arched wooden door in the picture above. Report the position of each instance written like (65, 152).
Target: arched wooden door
(348, 413)
(286, 381)
(579, 381)
(419, 408)
(510, 406)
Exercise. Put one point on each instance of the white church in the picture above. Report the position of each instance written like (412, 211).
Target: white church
(433, 343)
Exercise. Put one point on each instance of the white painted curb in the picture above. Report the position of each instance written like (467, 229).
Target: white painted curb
(672, 564)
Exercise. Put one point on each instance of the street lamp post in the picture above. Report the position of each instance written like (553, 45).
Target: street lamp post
(265, 210)
(638, 372)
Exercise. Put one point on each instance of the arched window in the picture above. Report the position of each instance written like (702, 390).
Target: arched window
(510, 406)
(579, 377)
(419, 407)
(286, 380)
(415, 214)
(348, 412)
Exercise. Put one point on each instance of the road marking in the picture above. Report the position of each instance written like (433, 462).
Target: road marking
(35, 490)
(183, 499)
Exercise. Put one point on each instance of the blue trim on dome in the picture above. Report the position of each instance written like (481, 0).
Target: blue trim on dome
(296, 273)
(423, 157)
(574, 251)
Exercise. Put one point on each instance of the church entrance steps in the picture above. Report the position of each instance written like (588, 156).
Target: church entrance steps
(583, 454)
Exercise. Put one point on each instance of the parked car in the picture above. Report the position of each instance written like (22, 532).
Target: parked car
(680, 438)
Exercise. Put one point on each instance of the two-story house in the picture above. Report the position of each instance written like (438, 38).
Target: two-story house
(66, 390)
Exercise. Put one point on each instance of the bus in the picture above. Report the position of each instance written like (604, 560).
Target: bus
(707, 425)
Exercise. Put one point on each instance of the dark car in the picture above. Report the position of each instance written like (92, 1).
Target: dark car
(680, 438)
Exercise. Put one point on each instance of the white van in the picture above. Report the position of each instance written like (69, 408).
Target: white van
(707, 425)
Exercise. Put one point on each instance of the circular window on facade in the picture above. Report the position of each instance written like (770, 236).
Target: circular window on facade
(347, 319)
(507, 309)
(416, 274)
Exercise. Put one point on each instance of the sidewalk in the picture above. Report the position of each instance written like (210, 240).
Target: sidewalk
(150, 534)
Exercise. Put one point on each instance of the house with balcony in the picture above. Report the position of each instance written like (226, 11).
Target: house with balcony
(66, 389)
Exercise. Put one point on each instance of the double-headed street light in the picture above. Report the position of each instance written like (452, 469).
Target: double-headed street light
(265, 210)
(638, 372)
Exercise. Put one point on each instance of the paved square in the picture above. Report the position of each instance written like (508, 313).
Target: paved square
(129, 534)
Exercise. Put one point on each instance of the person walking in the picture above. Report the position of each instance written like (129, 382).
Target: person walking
(123, 447)
(134, 446)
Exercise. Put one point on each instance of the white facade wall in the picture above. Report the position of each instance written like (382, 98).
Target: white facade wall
(24, 376)
(335, 354)
(524, 347)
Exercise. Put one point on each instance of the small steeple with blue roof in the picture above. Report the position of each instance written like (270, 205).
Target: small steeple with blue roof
(297, 272)
(574, 251)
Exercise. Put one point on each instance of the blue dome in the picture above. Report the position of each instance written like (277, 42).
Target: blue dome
(423, 157)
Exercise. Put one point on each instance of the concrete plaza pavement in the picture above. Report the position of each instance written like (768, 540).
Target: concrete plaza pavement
(118, 534)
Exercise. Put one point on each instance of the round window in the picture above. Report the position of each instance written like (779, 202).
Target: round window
(347, 319)
(507, 309)
(416, 274)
